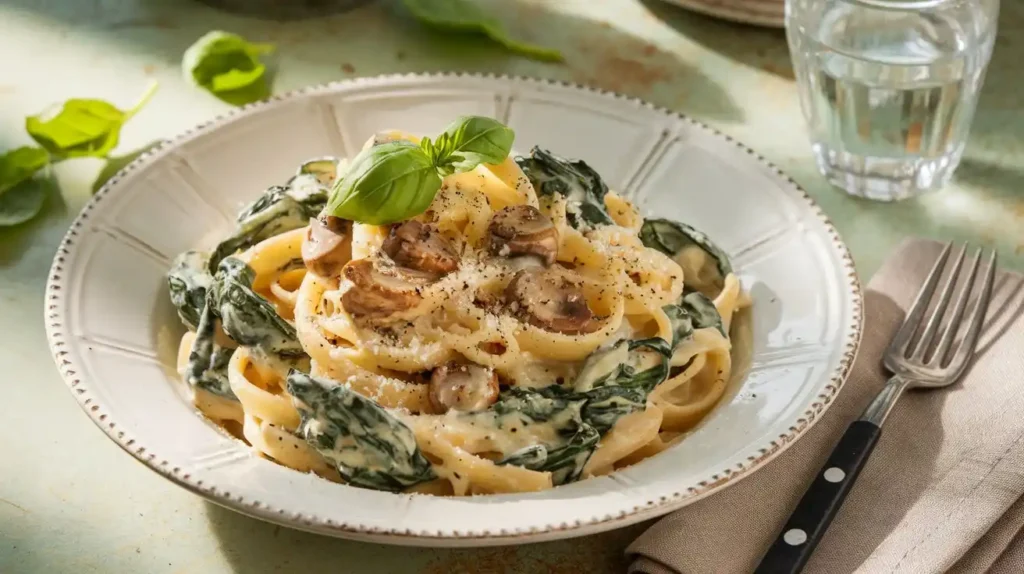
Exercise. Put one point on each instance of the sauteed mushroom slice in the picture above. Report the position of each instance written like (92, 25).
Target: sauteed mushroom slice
(552, 299)
(377, 293)
(463, 387)
(523, 230)
(414, 245)
(328, 245)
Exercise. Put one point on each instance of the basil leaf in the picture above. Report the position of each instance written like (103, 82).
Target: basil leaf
(229, 67)
(23, 202)
(82, 128)
(464, 16)
(385, 184)
(473, 140)
(19, 165)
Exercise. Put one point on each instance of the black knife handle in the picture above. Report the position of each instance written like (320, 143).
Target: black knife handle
(820, 504)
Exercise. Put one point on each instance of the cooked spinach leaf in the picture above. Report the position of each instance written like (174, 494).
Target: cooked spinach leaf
(207, 361)
(619, 365)
(565, 462)
(188, 281)
(246, 317)
(581, 186)
(369, 447)
(606, 405)
(682, 323)
(704, 264)
(279, 209)
(702, 311)
(611, 385)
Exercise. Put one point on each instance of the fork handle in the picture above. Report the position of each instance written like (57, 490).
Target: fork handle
(820, 504)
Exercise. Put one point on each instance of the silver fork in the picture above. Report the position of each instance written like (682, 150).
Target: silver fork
(915, 361)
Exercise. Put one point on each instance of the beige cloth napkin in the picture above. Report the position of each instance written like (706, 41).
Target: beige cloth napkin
(942, 491)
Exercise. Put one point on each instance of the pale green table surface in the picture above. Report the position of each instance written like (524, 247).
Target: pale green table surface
(71, 501)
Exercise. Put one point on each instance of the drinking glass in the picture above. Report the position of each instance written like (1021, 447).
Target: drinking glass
(889, 87)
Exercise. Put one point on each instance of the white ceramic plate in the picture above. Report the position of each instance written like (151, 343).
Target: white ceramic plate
(768, 13)
(113, 330)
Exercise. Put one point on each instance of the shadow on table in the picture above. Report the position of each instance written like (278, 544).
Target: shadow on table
(380, 39)
(256, 547)
(763, 48)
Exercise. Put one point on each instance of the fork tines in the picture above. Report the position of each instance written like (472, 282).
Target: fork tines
(925, 350)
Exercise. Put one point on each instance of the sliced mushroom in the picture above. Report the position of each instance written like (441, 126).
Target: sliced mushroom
(421, 247)
(379, 293)
(463, 387)
(523, 230)
(552, 299)
(328, 245)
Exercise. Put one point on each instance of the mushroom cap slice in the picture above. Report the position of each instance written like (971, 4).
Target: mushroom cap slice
(379, 293)
(328, 245)
(523, 230)
(464, 387)
(413, 245)
(552, 299)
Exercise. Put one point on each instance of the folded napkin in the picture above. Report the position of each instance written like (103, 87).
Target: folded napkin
(942, 491)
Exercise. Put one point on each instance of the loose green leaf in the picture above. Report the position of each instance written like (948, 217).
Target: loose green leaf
(464, 16)
(369, 447)
(473, 140)
(385, 184)
(23, 202)
(81, 127)
(229, 67)
(19, 165)
(581, 186)
(705, 265)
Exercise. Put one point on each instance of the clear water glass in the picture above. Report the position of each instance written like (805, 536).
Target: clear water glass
(889, 87)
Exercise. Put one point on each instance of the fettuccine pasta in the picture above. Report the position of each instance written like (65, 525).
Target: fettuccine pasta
(528, 329)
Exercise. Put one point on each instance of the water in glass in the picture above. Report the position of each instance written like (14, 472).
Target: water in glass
(889, 87)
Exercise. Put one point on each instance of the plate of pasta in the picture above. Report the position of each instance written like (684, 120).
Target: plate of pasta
(453, 310)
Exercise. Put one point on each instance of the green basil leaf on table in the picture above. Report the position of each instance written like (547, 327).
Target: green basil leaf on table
(23, 202)
(229, 67)
(82, 127)
(20, 164)
(385, 184)
(464, 16)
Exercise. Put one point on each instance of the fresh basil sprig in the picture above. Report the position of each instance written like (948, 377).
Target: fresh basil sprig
(464, 16)
(229, 67)
(394, 181)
